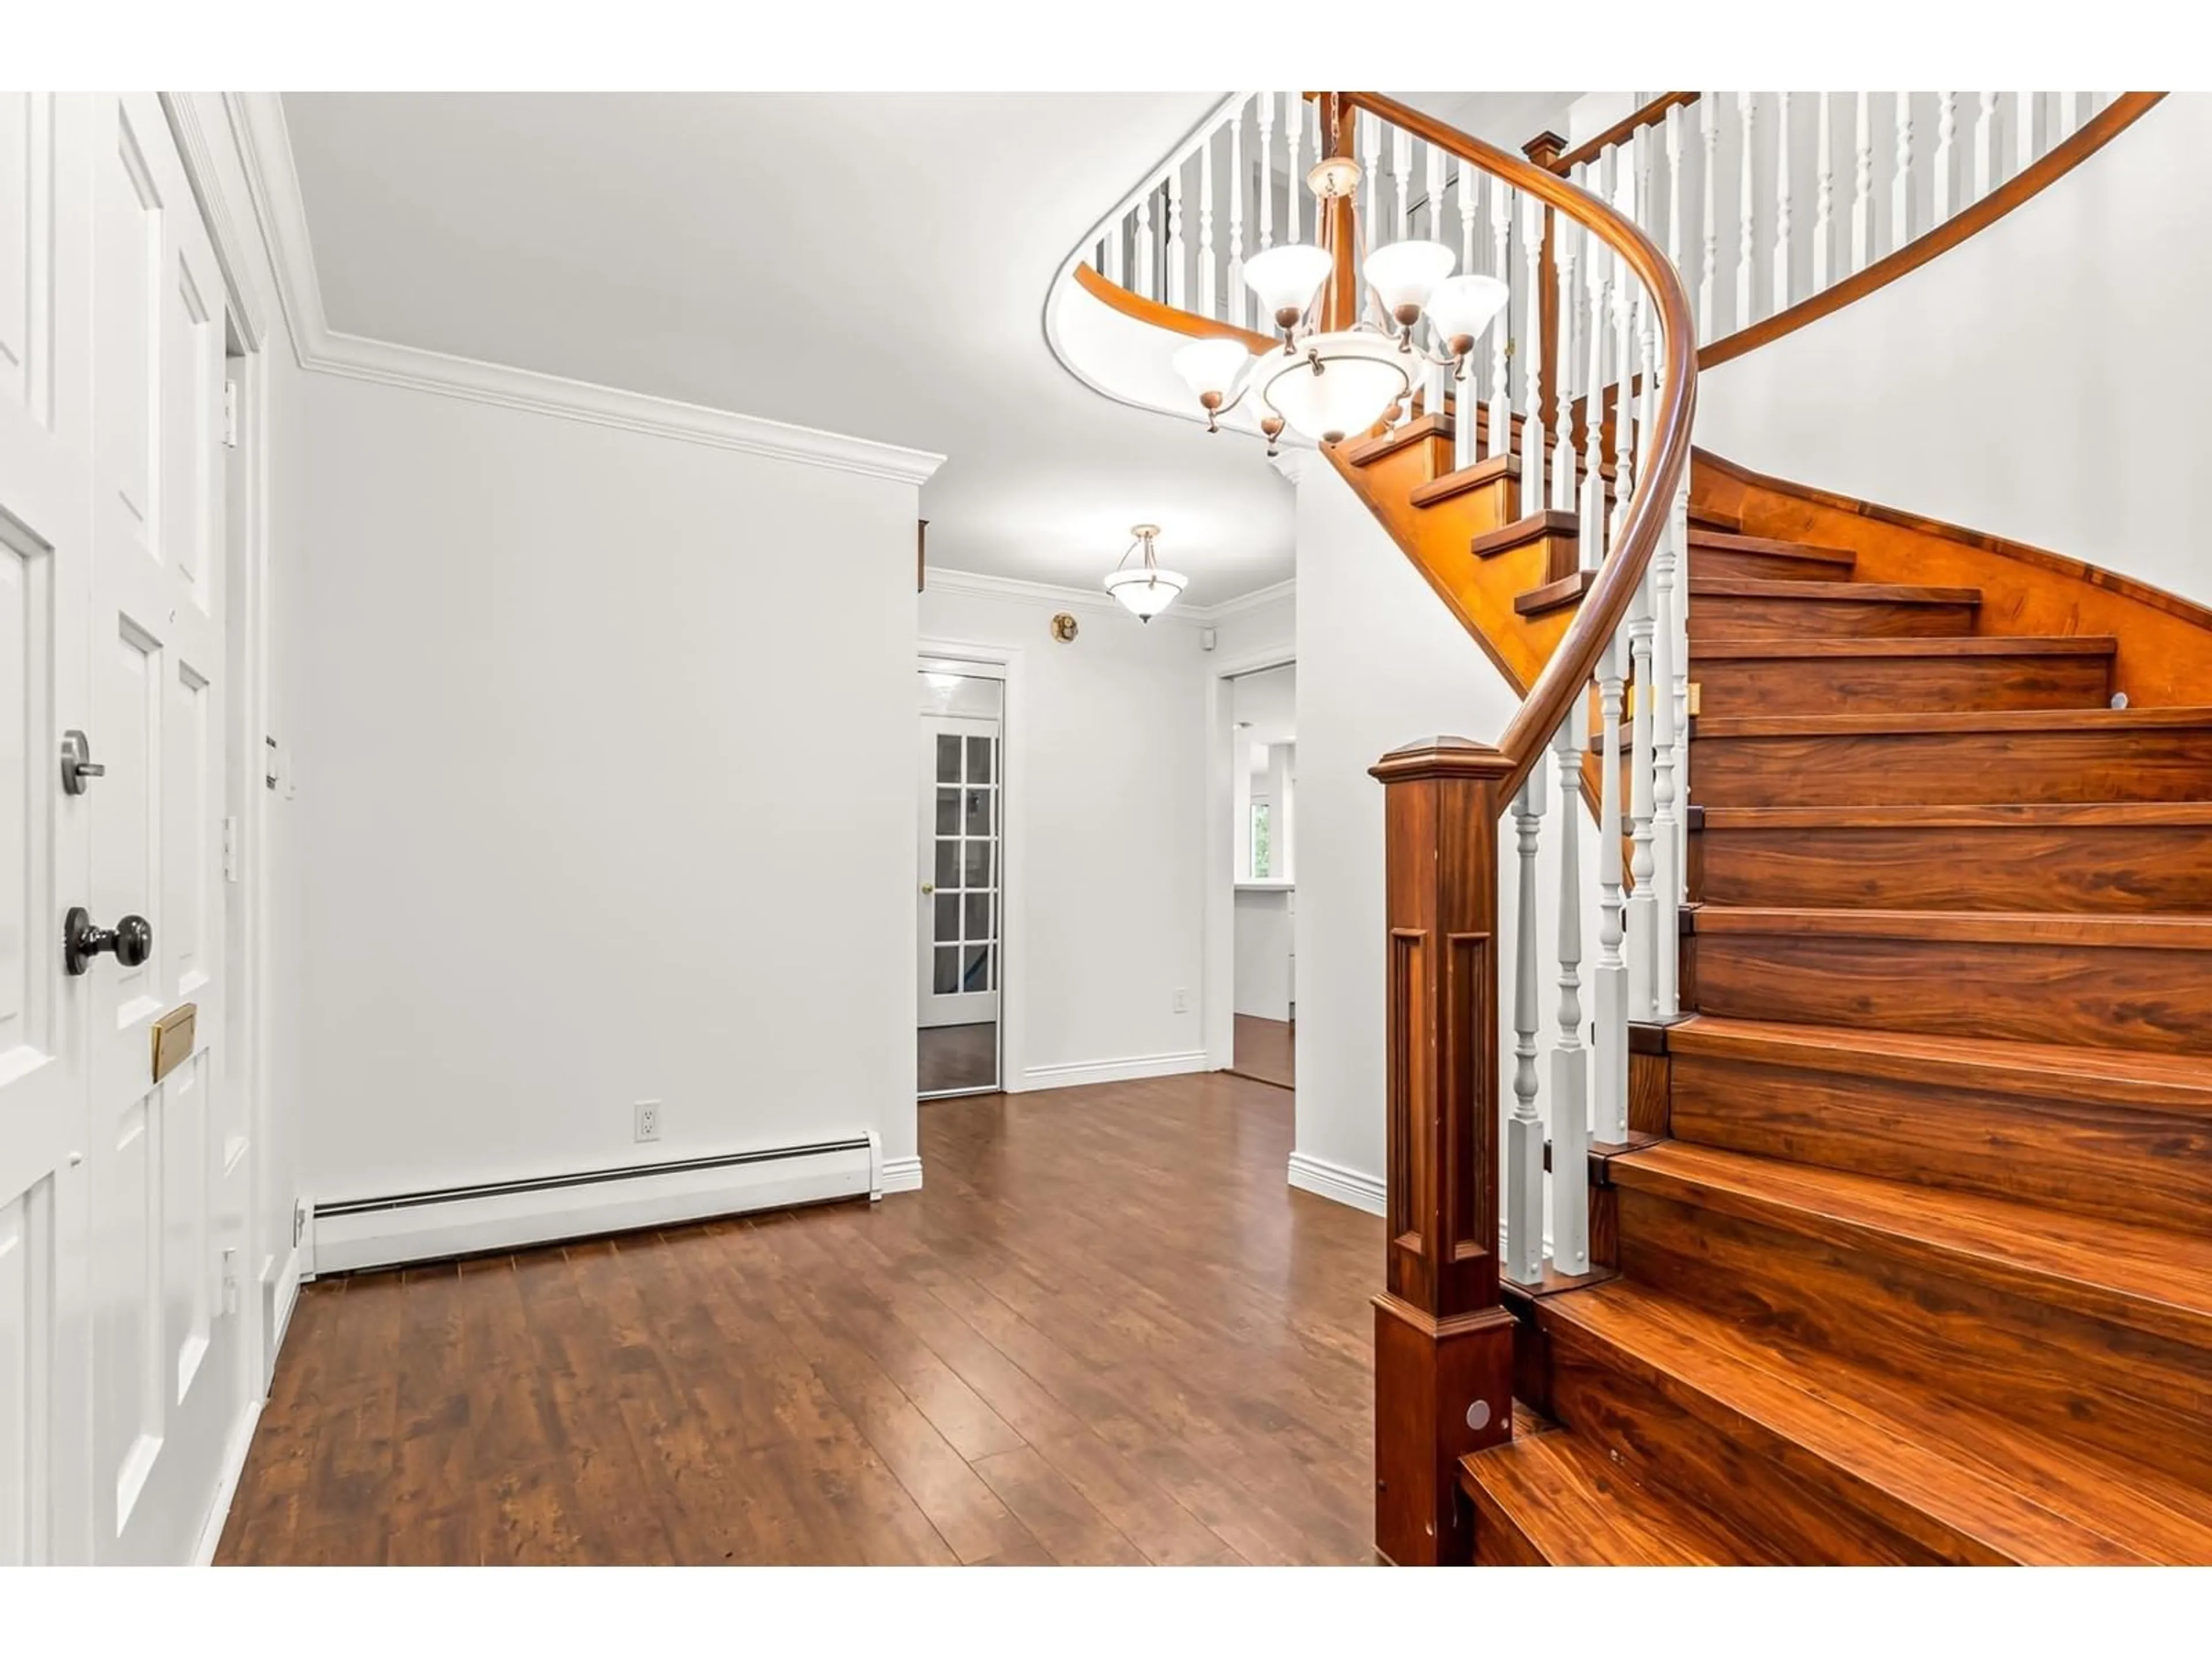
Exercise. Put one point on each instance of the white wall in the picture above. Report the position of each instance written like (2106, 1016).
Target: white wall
(2033, 382)
(1263, 952)
(1381, 663)
(609, 797)
(1104, 861)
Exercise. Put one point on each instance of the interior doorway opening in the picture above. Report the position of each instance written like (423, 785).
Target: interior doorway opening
(1263, 854)
(961, 797)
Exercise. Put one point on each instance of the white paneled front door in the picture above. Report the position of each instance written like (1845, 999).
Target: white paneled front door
(121, 1200)
(960, 850)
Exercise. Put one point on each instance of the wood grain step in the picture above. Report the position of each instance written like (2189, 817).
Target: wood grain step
(1821, 676)
(1955, 758)
(2098, 1132)
(1722, 553)
(2129, 858)
(2094, 1329)
(2142, 983)
(1730, 608)
(1830, 1460)
(1557, 1499)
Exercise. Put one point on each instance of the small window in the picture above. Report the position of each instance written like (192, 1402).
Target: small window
(1263, 852)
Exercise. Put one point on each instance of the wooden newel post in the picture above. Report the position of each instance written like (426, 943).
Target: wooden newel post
(1444, 1344)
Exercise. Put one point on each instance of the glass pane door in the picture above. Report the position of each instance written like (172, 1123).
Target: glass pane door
(961, 847)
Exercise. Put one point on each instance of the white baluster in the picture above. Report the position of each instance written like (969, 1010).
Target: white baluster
(1824, 197)
(1570, 1060)
(1609, 981)
(1986, 143)
(1435, 157)
(1782, 218)
(1535, 430)
(1673, 134)
(1642, 908)
(1265, 108)
(1666, 842)
(1862, 188)
(1900, 190)
(1709, 129)
(1401, 170)
(1524, 1133)
(2023, 132)
(1174, 283)
(1625, 292)
(1208, 280)
(2070, 113)
(1680, 663)
(1946, 125)
(1597, 280)
(1466, 430)
(1144, 246)
(1567, 239)
(1497, 420)
(1235, 276)
(1745, 249)
(1115, 237)
(1294, 190)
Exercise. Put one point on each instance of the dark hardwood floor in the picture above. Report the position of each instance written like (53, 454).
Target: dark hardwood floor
(1105, 1332)
(1264, 1052)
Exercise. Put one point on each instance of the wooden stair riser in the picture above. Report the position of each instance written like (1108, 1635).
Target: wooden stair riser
(2122, 1391)
(1758, 1483)
(1944, 768)
(1752, 616)
(1721, 554)
(2043, 991)
(2084, 869)
(1836, 685)
(2083, 1155)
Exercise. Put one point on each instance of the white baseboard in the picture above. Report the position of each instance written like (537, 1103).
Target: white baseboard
(1075, 1074)
(902, 1174)
(421, 1227)
(233, 1465)
(1334, 1182)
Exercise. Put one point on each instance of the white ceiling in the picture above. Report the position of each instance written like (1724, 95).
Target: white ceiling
(870, 264)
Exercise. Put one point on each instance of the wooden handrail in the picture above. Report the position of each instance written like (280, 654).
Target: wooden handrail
(1649, 116)
(1664, 456)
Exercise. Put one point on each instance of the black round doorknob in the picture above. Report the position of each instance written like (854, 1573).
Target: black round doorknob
(131, 939)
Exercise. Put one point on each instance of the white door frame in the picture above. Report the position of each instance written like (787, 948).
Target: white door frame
(1004, 663)
(1218, 944)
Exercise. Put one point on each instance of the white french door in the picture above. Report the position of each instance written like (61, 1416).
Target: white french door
(960, 796)
(123, 1198)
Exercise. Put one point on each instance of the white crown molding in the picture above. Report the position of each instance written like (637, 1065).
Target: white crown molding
(258, 119)
(979, 585)
(183, 110)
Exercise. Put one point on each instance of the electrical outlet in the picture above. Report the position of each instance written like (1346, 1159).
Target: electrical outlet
(1181, 999)
(648, 1120)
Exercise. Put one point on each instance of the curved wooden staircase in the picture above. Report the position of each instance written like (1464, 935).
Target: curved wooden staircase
(1910, 1251)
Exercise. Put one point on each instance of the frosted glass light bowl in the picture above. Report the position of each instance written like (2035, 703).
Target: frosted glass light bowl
(1361, 373)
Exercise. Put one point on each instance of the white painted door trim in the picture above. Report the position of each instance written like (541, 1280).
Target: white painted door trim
(1219, 931)
(1004, 663)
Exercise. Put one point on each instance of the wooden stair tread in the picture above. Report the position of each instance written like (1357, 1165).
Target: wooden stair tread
(2024, 815)
(1996, 721)
(2042, 1070)
(1963, 645)
(1723, 541)
(1576, 1507)
(1365, 452)
(2149, 932)
(1752, 588)
(1960, 1480)
(1481, 473)
(2147, 1279)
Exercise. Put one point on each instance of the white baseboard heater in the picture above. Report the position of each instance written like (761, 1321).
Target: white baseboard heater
(501, 1215)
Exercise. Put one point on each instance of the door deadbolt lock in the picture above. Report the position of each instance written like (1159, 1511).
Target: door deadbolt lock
(131, 939)
(78, 766)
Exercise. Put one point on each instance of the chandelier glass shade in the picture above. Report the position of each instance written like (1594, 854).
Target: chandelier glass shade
(1337, 384)
(1144, 589)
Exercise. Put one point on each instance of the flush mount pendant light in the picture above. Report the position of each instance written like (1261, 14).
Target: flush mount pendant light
(1145, 590)
(1338, 380)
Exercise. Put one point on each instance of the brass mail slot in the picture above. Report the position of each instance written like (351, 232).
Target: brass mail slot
(173, 1038)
